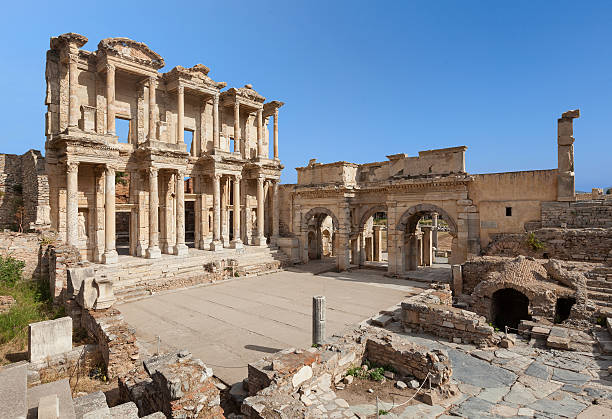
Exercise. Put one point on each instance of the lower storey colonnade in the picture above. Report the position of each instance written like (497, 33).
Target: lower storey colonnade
(227, 210)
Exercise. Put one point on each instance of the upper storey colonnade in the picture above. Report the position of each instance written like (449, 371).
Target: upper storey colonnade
(180, 124)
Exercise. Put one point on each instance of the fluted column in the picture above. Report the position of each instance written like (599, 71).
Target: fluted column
(434, 231)
(72, 203)
(236, 241)
(275, 213)
(260, 150)
(73, 85)
(110, 99)
(110, 253)
(236, 126)
(216, 244)
(153, 250)
(152, 121)
(179, 247)
(216, 121)
(180, 123)
(276, 134)
(260, 240)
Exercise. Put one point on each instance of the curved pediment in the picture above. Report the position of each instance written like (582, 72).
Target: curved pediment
(131, 50)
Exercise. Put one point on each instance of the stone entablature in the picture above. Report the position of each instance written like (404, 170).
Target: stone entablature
(181, 125)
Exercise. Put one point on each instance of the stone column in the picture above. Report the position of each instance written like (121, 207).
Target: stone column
(110, 253)
(99, 213)
(376, 243)
(427, 248)
(565, 149)
(236, 126)
(204, 225)
(413, 252)
(110, 99)
(236, 242)
(216, 243)
(152, 121)
(73, 85)
(276, 134)
(180, 248)
(260, 150)
(275, 213)
(260, 240)
(434, 231)
(72, 203)
(216, 121)
(153, 251)
(180, 135)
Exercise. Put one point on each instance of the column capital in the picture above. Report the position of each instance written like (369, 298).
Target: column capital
(236, 104)
(110, 67)
(216, 98)
(152, 81)
(216, 176)
(109, 169)
(152, 171)
(238, 177)
(73, 56)
(72, 166)
(181, 89)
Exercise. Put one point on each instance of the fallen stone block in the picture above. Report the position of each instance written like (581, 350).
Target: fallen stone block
(48, 338)
(75, 277)
(382, 321)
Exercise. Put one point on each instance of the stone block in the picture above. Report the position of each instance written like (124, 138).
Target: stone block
(105, 298)
(457, 275)
(75, 277)
(48, 407)
(13, 385)
(303, 374)
(60, 390)
(87, 294)
(48, 338)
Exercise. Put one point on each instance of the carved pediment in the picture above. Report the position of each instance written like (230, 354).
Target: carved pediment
(198, 74)
(130, 50)
(248, 92)
(68, 38)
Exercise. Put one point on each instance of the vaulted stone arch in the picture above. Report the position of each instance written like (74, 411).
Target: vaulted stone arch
(370, 212)
(411, 217)
(319, 210)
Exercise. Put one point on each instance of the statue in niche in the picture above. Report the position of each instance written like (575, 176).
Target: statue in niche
(82, 226)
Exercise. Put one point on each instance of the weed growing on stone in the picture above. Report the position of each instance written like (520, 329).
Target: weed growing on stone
(534, 243)
(369, 372)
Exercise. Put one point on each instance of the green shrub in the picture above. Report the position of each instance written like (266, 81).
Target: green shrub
(534, 243)
(11, 270)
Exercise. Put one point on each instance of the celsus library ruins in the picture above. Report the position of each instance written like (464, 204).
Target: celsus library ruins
(187, 282)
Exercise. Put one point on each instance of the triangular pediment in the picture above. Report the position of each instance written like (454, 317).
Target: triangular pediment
(130, 50)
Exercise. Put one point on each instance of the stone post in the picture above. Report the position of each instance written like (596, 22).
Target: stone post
(153, 251)
(73, 85)
(236, 243)
(275, 213)
(318, 320)
(457, 275)
(236, 126)
(427, 248)
(110, 99)
(216, 243)
(216, 121)
(377, 239)
(180, 135)
(276, 134)
(110, 253)
(434, 232)
(260, 240)
(180, 248)
(413, 253)
(72, 203)
(260, 150)
(565, 148)
(152, 121)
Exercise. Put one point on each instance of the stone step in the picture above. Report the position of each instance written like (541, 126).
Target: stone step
(599, 296)
(604, 340)
(13, 390)
(599, 283)
(601, 290)
(91, 405)
(61, 389)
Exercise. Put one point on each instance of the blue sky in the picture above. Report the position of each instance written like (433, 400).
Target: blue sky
(361, 80)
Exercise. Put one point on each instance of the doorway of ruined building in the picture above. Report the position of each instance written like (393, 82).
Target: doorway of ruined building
(371, 249)
(319, 237)
(122, 232)
(190, 223)
(508, 308)
(563, 308)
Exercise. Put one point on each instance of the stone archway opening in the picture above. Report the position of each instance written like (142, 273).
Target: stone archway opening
(319, 230)
(563, 308)
(372, 250)
(508, 308)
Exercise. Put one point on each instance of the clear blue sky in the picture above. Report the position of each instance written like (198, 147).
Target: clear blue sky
(361, 79)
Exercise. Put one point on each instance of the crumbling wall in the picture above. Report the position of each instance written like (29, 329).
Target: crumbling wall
(60, 257)
(24, 188)
(27, 247)
(584, 244)
(583, 214)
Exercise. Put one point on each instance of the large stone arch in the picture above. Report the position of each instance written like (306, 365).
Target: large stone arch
(370, 212)
(411, 217)
(319, 210)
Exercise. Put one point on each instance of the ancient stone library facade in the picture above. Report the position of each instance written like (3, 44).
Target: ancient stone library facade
(197, 165)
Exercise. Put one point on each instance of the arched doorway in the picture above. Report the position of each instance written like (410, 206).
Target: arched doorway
(508, 308)
(319, 228)
(373, 243)
(418, 237)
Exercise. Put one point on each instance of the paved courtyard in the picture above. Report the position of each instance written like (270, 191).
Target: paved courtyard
(229, 324)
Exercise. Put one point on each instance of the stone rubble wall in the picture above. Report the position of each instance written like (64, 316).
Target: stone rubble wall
(595, 213)
(279, 383)
(176, 384)
(59, 258)
(24, 182)
(583, 244)
(432, 312)
(27, 247)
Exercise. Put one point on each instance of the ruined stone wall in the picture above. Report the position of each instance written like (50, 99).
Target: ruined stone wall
(587, 244)
(24, 183)
(29, 248)
(582, 214)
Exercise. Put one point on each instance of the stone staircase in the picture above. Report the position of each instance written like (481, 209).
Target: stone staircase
(54, 400)
(134, 278)
(599, 286)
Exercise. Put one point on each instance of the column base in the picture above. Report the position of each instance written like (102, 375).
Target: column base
(153, 253)
(274, 241)
(180, 250)
(205, 244)
(260, 242)
(140, 250)
(236, 244)
(110, 257)
(216, 245)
